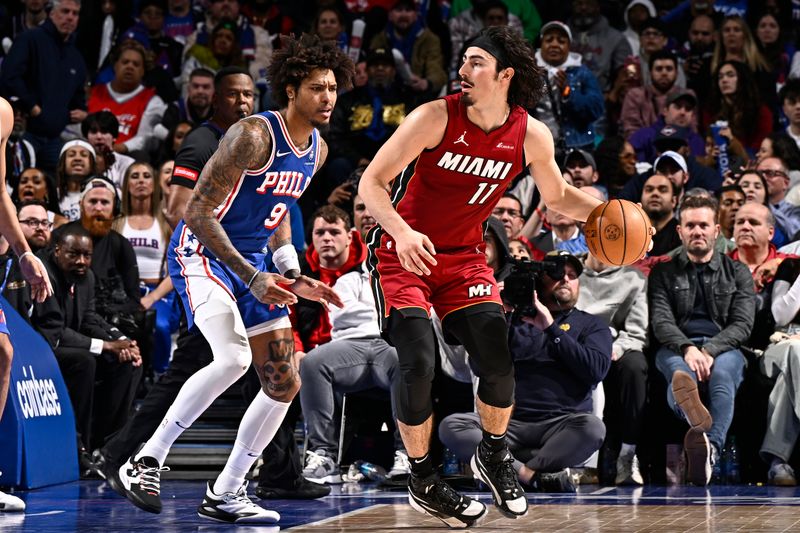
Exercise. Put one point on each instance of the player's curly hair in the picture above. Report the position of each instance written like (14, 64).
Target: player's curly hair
(296, 58)
(528, 84)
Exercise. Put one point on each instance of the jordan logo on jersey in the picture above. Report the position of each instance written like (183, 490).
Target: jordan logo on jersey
(285, 183)
(461, 139)
(477, 166)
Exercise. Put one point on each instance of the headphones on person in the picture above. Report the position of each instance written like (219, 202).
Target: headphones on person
(90, 182)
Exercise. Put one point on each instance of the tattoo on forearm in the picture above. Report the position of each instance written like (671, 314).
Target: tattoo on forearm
(246, 145)
(279, 372)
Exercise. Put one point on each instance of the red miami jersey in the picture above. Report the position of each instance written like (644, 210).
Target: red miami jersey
(451, 190)
(128, 111)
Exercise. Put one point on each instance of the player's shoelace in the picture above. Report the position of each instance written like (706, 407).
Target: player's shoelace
(314, 460)
(504, 474)
(444, 496)
(238, 498)
(149, 477)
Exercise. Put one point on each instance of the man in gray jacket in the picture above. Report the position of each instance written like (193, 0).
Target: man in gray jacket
(702, 307)
(618, 295)
(603, 48)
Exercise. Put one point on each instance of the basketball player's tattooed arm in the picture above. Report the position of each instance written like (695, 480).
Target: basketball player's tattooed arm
(306, 287)
(246, 145)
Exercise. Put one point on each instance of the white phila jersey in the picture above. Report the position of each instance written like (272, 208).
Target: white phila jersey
(260, 198)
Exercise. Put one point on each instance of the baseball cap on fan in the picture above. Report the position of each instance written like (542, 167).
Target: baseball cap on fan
(556, 25)
(673, 156)
(380, 56)
(671, 138)
(567, 257)
(577, 153)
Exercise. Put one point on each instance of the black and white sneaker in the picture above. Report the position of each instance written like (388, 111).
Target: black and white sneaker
(140, 481)
(234, 508)
(497, 471)
(434, 497)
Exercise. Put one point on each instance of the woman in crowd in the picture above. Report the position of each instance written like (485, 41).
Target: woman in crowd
(616, 164)
(329, 24)
(755, 189)
(223, 50)
(736, 43)
(34, 184)
(143, 224)
(736, 100)
(174, 140)
(773, 45)
(164, 177)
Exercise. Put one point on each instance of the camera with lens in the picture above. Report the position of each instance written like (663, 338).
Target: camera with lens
(523, 280)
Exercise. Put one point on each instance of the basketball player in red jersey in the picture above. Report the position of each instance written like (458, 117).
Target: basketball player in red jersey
(427, 250)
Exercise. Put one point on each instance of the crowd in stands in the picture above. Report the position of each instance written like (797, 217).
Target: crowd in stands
(690, 108)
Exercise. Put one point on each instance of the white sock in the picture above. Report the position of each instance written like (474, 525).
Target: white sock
(259, 425)
(222, 326)
(627, 449)
(165, 435)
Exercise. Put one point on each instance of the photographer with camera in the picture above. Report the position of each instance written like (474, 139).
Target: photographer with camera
(560, 354)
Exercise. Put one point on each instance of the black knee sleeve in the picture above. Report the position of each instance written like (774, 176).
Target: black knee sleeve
(410, 332)
(483, 331)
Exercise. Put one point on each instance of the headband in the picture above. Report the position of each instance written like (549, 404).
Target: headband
(97, 182)
(78, 142)
(486, 43)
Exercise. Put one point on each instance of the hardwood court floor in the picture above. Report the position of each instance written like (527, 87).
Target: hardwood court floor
(91, 506)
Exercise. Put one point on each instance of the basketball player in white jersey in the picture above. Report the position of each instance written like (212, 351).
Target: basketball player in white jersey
(218, 262)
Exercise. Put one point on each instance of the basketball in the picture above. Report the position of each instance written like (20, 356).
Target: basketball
(618, 232)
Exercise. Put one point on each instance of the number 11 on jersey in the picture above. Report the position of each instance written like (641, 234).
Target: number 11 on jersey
(480, 197)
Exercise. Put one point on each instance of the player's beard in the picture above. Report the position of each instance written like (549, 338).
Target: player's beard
(96, 226)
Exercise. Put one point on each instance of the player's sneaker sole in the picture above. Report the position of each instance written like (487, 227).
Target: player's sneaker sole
(454, 522)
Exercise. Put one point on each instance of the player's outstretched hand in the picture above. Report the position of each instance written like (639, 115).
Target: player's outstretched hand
(315, 290)
(267, 291)
(415, 249)
(36, 275)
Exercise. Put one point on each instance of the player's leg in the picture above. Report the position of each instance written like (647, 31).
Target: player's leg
(483, 331)
(273, 358)
(411, 333)
(192, 354)
(219, 320)
(8, 503)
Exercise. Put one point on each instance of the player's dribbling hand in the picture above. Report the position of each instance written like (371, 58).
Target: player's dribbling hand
(414, 250)
(266, 289)
(36, 275)
(315, 290)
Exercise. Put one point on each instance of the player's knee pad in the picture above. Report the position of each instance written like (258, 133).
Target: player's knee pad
(483, 331)
(222, 326)
(412, 336)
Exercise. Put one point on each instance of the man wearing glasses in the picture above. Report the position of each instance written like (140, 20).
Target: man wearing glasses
(787, 215)
(35, 228)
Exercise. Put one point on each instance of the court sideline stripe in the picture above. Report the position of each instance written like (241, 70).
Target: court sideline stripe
(337, 517)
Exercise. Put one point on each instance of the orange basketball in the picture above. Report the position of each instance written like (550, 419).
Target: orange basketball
(618, 232)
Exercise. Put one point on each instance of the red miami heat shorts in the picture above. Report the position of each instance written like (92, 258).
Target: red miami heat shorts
(459, 280)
